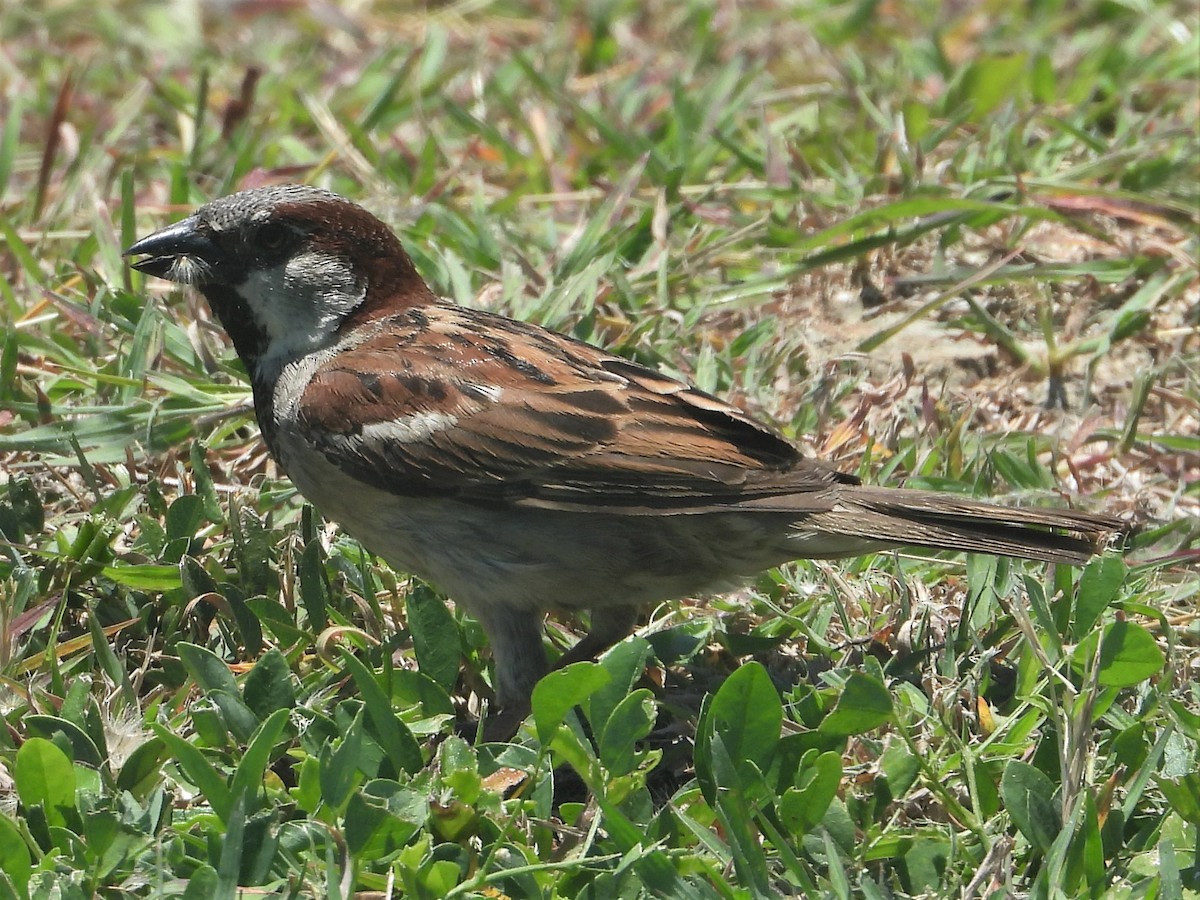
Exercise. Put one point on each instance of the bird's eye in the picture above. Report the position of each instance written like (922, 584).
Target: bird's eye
(272, 236)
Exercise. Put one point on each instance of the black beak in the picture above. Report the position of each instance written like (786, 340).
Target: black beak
(164, 248)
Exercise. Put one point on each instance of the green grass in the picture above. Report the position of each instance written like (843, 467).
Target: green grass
(950, 245)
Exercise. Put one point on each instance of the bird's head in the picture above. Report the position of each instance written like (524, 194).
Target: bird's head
(284, 267)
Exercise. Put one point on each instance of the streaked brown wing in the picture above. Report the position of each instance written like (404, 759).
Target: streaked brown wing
(444, 401)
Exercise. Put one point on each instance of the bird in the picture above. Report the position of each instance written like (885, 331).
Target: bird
(515, 468)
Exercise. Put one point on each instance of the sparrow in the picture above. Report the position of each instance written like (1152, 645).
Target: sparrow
(516, 468)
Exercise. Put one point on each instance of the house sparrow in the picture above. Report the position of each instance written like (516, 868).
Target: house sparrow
(517, 468)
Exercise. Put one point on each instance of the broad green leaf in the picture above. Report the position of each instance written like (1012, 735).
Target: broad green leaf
(863, 704)
(1085, 856)
(561, 691)
(802, 807)
(991, 80)
(195, 579)
(15, 861)
(925, 862)
(253, 550)
(383, 817)
(899, 768)
(248, 777)
(1187, 720)
(435, 636)
(1130, 746)
(314, 589)
(107, 659)
(748, 714)
(1170, 881)
(144, 576)
(280, 622)
(443, 876)
(203, 483)
(249, 628)
(101, 830)
(629, 723)
(410, 688)
(229, 866)
(1042, 81)
(1043, 617)
(569, 747)
(459, 767)
(837, 870)
(307, 792)
(395, 738)
(209, 671)
(204, 884)
(45, 776)
(1128, 654)
(1098, 585)
(82, 747)
(142, 765)
(69, 844)
(1029, 797)
(198, 770)
(236, 715)
(1184, 796)
(341, 767)
(184, 516)
(268, 686)
(738, 779)
(625, 663)
(208, 722)
(261, 846)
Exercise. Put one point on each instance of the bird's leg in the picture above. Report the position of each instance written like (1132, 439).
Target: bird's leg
(519, 660)
(609, 625)
(515, 634)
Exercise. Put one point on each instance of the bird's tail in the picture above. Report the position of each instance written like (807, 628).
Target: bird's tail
(947, 522)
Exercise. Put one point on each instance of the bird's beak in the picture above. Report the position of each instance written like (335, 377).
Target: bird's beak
(169, 250)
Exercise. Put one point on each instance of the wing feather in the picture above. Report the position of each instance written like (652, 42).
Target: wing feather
(452, 402)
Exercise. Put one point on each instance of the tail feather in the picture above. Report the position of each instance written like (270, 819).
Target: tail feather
(947, 522)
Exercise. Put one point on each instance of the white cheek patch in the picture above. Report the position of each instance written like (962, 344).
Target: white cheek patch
(301, 303)
(409, 429)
